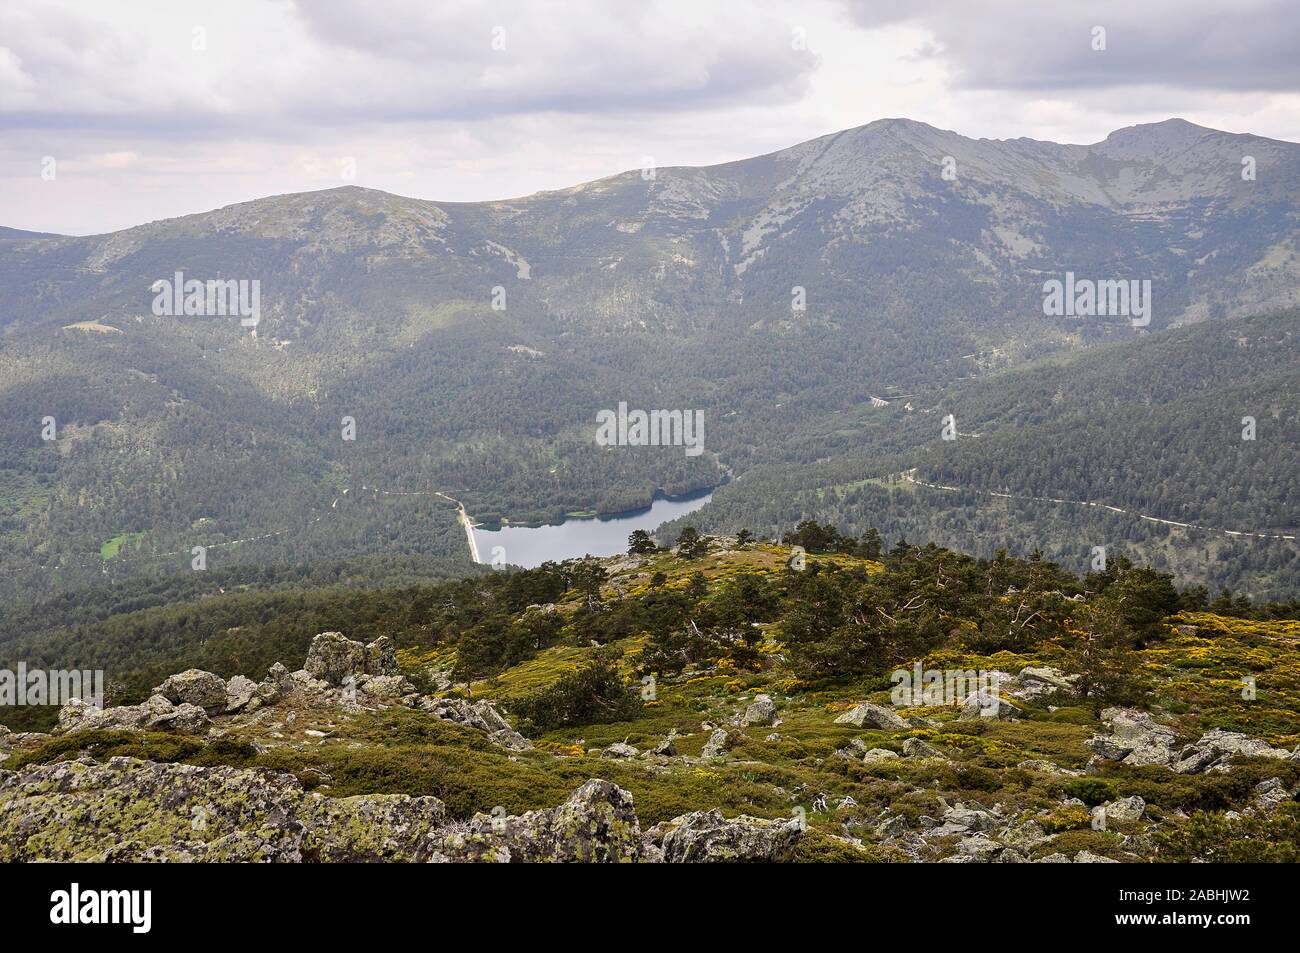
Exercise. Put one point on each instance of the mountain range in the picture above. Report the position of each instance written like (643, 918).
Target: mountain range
(786, 296)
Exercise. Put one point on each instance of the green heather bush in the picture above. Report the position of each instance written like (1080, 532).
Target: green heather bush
(1246, 840)
(466, 781)
(1071, 842)
(818, 847)
(104, 744)
(594, 694)
(1091, 791)
(1199, 792)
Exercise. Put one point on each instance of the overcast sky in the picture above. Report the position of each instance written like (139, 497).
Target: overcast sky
(155, 108)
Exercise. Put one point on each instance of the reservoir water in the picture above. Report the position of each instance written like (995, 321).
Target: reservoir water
(530, 546)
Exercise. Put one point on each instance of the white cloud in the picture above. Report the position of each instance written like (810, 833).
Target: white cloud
(145, 125)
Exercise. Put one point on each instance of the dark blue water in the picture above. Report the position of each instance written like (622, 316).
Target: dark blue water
(530, 546)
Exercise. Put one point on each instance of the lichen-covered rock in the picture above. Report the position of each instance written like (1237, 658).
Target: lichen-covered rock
(1216, 748)
(1025, 836)
(917, 748)
(872, 716)
(272, 688)
(332, 658)
(969, 818)
(132, 810)
(1037, 680)
(381, 657)
(1088, 857)
(986, 704)
(719, 743)
(154, 714)
(1125, 809)
(1134, 737)
(708, 837)
(876, 755)
(77, 714)
(187, 718)
(620, 749)
(240, 690)
(196, 687)
(385, 686)
(597, 824)
(761, 711)
(1270, 793)
(480, 715)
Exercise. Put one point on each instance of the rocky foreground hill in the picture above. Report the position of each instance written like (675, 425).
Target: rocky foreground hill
(371, 754)
(131, 809)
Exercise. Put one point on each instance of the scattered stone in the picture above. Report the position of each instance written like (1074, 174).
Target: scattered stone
(876, 755)
(620, 749)
(1049, 767)
(240, 690)
(1216, 748)
(385, 686)
(597, 824)
(987, 705)
(894, 826)
(867, 714)
(196, 687)
(1088, 857)
(981, 848)
(969, 818)
(272, 688)
(1269, 794)
(1125, 809)
(186, 718)
(719, 744)
(332, 658)
(1025, 837)
(1035, 681)
(1134, 738)
(480, 715)
(381, 657)
(666, 748)
(916, 748)
(761, 711)
(708, 837)
(853, 751)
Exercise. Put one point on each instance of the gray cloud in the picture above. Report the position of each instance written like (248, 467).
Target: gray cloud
(349, 61)
(1246, 45)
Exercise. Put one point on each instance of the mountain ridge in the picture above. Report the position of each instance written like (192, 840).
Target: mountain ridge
(1118, 137)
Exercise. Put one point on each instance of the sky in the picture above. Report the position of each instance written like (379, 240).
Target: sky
(115, 113)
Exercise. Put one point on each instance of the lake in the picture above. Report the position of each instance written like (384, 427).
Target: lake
(530, 546)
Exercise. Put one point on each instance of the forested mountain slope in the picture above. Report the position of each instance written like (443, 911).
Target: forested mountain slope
(473, 344)
(1153, 426)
